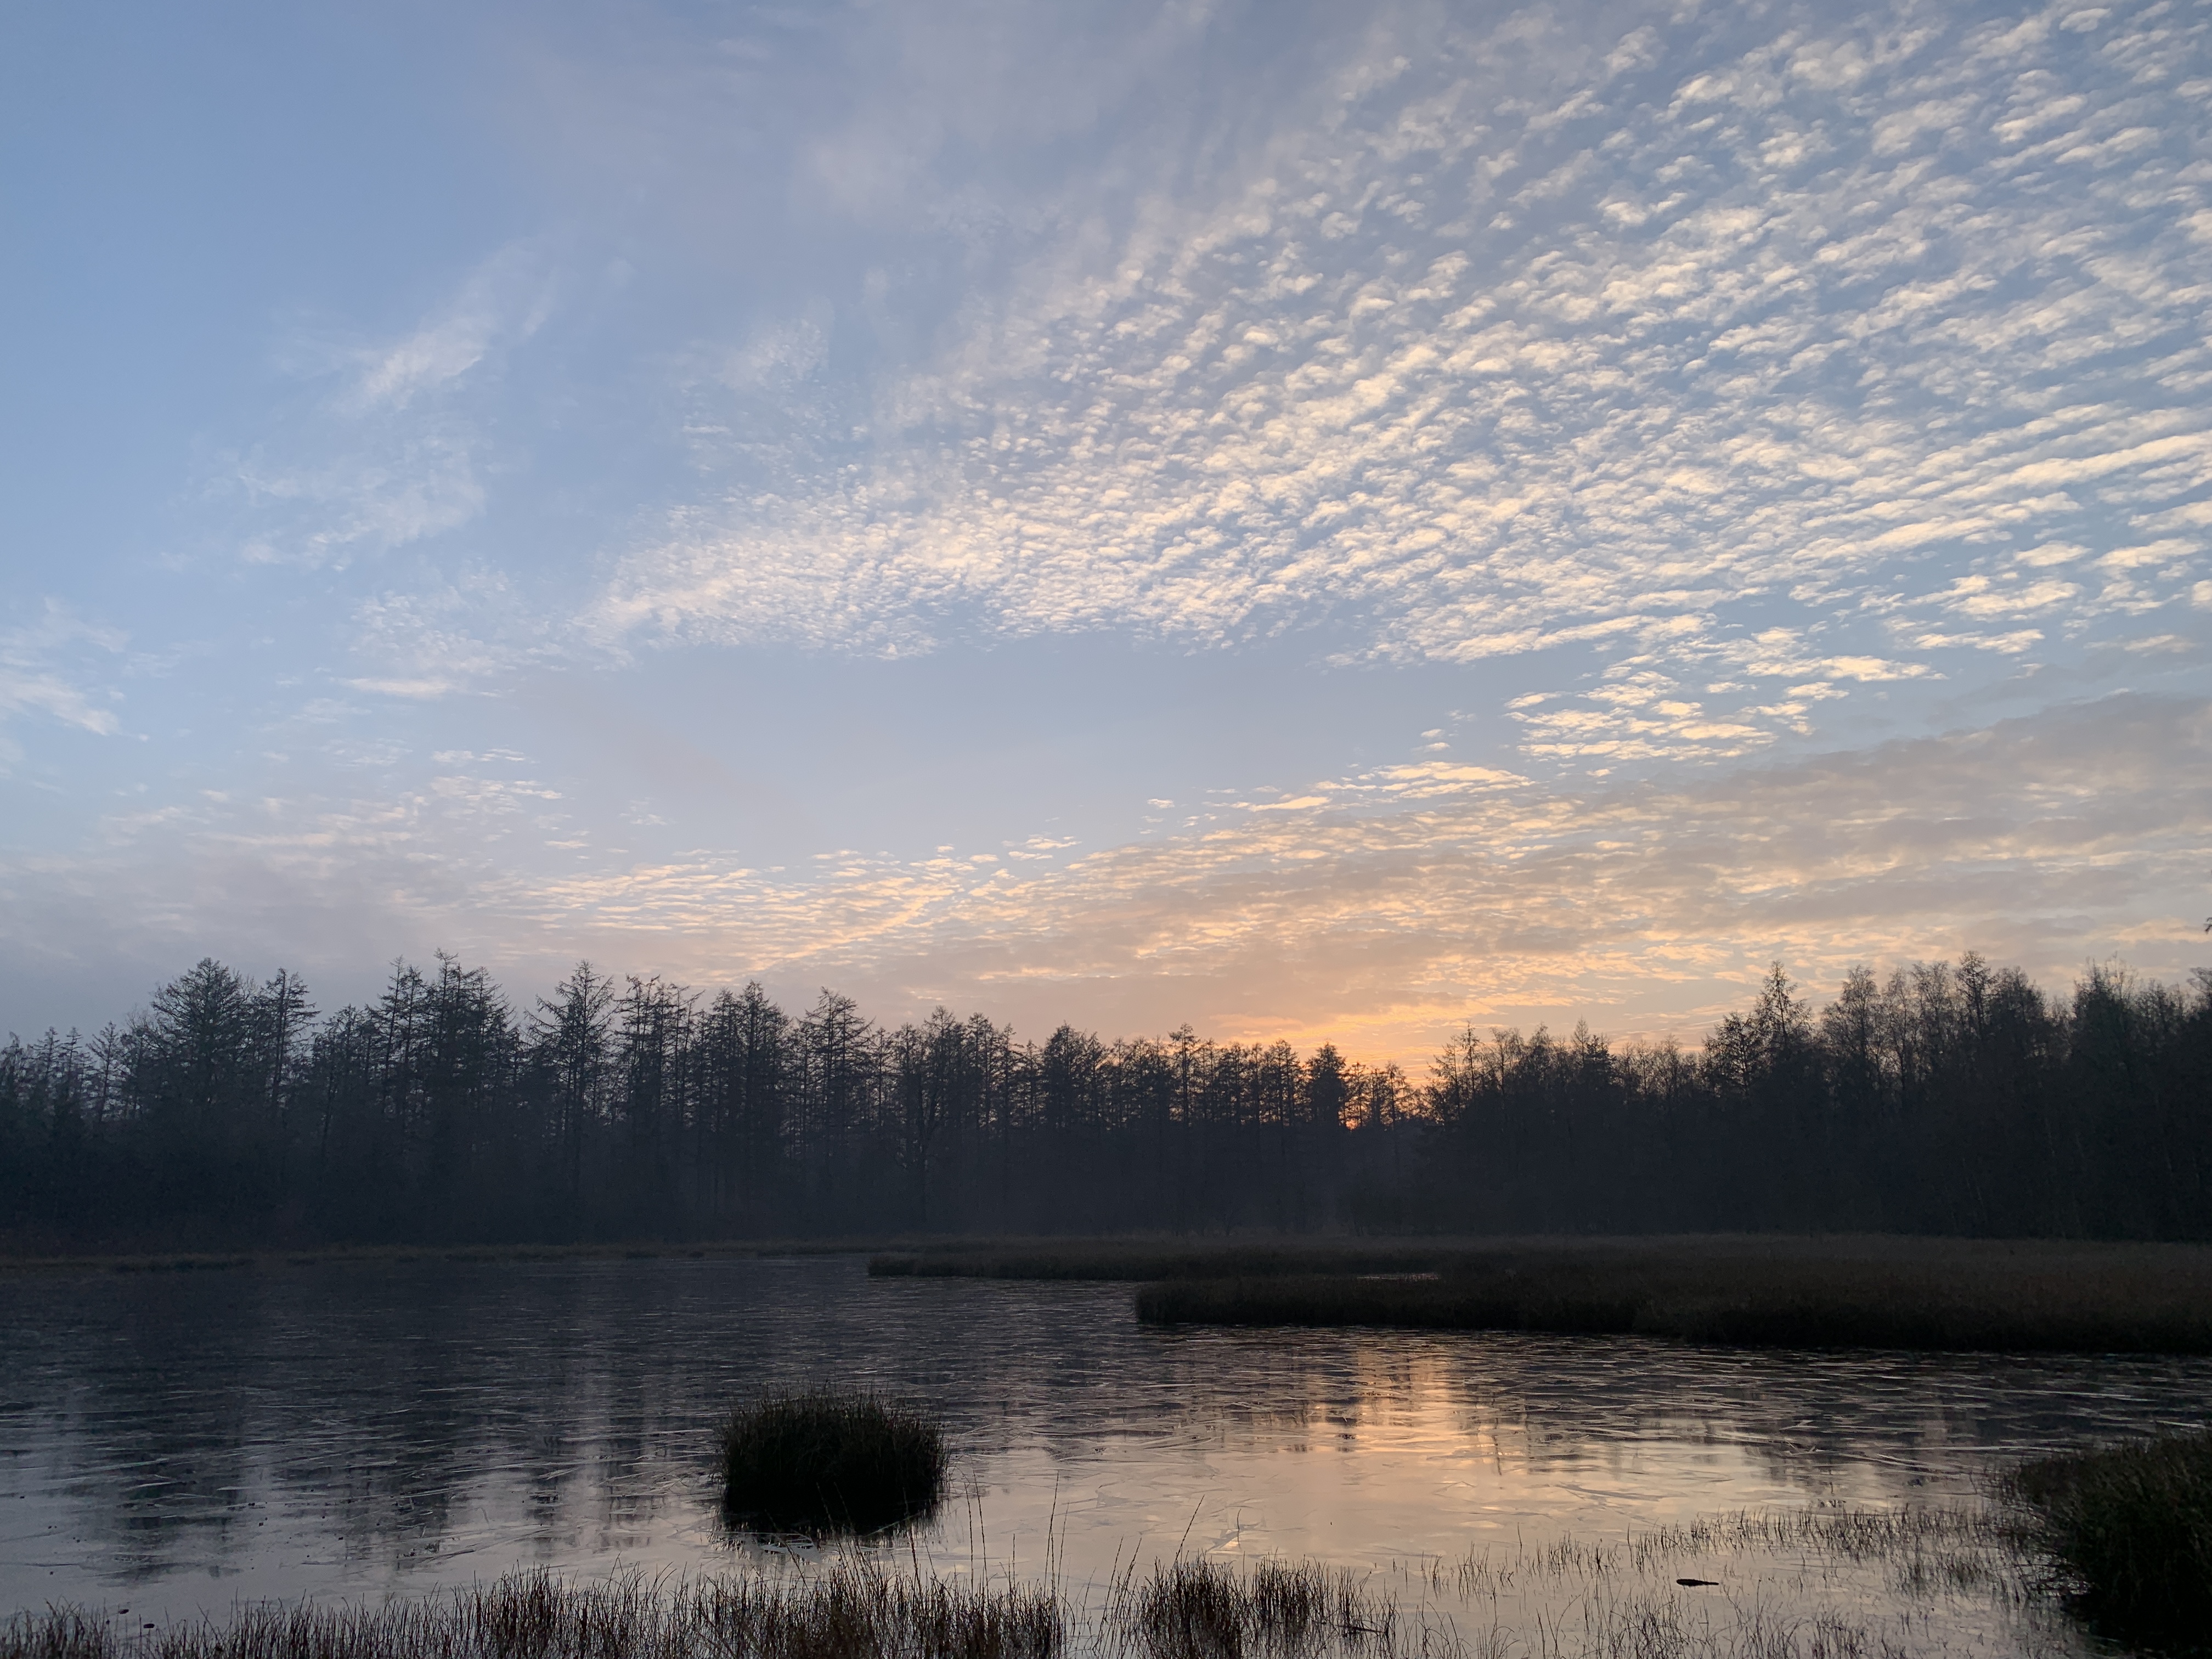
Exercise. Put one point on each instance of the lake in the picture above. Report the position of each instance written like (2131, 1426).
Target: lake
(172, 1442)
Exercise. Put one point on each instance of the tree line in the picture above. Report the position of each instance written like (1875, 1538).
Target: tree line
(1949, 1098)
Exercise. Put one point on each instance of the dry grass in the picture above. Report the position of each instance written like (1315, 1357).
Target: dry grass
(847, 1615)
(831, 1462)
(1841, 1293)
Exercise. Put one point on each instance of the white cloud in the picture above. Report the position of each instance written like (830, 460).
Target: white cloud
(443, 638)
(392, 450)
(42, 671)
(504, 302)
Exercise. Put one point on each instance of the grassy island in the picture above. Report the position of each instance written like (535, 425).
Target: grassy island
(1136, 1261)
(1748, 1290)
(1959, 1295)
(827, 1461)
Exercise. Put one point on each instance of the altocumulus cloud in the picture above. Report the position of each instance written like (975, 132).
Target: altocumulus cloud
(1514, 335)
(1776, 353)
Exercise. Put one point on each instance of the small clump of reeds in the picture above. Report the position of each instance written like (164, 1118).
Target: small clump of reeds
(825, 1461)
(2130, 1526)
(852, 1613)
(1205, 1609)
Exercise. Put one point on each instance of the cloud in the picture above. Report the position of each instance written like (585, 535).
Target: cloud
(1652, 902)
(504, 302)
(444, 637)
(393, 447)
(42, 670)
(1526, 338)
(1381, 908)
(1670, 393)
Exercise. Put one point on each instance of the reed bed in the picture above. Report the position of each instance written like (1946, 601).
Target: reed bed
(2047, 1299)
(849, 1615)
(827, 1461)
(1138, 1261)
(2130, 1527)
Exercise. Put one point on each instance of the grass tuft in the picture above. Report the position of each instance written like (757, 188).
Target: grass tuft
(1202, 1610)
(831, 1462)
(2131, 1525)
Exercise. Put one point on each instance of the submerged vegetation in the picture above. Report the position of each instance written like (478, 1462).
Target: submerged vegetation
(1844, 1292)
(815, 1461)
(1949, 1098)
(2131, 1525)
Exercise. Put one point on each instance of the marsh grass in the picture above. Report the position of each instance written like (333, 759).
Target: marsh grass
(827, 1462)
(1610, 1598)
(2130, 1527)
(848, 1614)
(2040, 1298)
(1923, 1550)
(1207, 1609)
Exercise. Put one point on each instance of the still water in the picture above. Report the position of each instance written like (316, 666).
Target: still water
(175, 1442)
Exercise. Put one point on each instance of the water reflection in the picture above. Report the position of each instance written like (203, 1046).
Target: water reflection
(176, 1441)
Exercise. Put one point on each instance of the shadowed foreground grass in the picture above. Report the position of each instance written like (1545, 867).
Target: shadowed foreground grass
(536, 1616)
(1186, 1610)
(815, 1461)
(2044, 1298)
(2131, 1525)
(1619, 1598)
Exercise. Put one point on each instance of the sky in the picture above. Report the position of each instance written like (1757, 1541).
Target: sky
(1318, 522)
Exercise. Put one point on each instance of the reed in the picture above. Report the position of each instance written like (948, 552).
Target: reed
(1623, 1607)
(831, 1462)
(1205, 1609)
(2131, 1527)
(849, 1615)
(2049, 1300)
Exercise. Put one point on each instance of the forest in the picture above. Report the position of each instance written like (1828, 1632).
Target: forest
(1952, 1098)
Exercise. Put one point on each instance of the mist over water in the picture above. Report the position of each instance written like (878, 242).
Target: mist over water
(175, 1442)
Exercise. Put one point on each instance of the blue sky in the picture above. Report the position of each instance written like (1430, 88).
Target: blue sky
(1310, 520)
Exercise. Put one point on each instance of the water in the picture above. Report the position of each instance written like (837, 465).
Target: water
(173, 1443)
